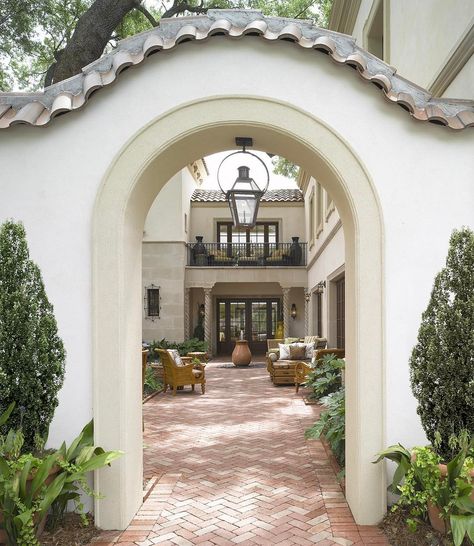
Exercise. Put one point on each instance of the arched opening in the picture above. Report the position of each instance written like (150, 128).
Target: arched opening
(129, 187)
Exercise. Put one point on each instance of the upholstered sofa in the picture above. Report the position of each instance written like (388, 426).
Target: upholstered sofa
(282, 370)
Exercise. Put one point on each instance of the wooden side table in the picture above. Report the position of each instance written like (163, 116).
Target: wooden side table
(199, 355)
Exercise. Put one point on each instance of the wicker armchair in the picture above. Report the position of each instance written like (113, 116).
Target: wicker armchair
(175, 376)
(302, 369)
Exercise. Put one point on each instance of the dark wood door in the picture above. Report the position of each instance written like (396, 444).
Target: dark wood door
(253, 319)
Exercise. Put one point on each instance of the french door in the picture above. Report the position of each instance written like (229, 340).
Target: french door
(252, 319)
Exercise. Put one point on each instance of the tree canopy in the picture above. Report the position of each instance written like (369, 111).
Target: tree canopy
(46, 41)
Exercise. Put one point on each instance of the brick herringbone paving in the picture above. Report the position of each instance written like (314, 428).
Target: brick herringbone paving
(233, 467)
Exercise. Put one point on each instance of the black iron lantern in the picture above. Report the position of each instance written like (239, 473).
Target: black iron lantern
(245, 194)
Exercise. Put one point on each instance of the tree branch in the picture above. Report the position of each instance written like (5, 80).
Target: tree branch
(147, 14)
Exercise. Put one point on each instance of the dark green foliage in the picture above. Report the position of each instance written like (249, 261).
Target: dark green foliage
(152, 383)
(326, 377)
(442, 362)
(331, 424)
(31, 353)
(188, 346)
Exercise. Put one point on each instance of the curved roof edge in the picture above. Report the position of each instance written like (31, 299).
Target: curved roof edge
(39, 109)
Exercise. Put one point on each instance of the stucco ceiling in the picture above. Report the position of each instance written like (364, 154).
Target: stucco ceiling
(39, 109)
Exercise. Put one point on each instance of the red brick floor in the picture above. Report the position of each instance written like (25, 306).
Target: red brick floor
(233, 467)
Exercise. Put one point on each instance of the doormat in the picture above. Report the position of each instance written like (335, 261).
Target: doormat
(252, 365)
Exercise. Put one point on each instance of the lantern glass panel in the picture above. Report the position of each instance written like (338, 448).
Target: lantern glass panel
(244, 208)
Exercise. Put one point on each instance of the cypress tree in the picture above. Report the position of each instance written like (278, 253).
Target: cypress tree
(442, 362)
(31, 353)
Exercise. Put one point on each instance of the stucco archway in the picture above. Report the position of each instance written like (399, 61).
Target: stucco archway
(129, 187)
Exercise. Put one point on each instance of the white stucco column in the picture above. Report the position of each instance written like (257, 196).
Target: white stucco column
(307, 300)
(286, 311)
(208, 318)
(187, 321)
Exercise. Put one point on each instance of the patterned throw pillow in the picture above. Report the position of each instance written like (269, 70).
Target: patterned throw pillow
(175, 356)
(297, 352)
(309, 349)
(284, 351)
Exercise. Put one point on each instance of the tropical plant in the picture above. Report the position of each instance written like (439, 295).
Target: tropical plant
(331, 424)
(183, 348)
(152, 383)
(325, 377)
(31, 353)
(76, 462)
(419, 482)
(442, 362)
(31, 485)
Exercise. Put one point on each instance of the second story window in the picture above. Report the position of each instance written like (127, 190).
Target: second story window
(263, 232)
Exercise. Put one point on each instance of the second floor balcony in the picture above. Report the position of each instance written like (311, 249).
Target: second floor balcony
(246, 254)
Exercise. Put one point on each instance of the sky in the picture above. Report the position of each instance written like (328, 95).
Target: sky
(229, 171)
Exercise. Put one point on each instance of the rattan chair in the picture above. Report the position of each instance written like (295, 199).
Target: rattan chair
(175, 376)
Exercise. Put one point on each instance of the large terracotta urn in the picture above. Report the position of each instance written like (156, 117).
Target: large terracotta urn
(241, 356)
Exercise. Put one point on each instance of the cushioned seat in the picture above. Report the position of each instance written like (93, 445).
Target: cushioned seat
(283, 370)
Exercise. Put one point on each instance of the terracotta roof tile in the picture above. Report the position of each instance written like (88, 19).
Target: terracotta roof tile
(40, 108)
(271, 196)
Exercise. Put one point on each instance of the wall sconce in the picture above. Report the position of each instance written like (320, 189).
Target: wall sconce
(293, 311)
(320, 287)
(202, 310)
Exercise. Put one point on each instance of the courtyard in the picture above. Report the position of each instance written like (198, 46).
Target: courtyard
(233, 467)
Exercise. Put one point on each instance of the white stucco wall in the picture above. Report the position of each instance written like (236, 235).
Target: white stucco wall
(411, 164)
(419, 37)
(462, 87)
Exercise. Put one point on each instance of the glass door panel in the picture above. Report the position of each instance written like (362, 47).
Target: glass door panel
(222, 337)
(259, 314)
(237, 320)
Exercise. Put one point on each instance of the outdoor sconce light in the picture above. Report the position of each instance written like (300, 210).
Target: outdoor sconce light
(320, 287)
(293, 311)
(245, 194)
(202, 310)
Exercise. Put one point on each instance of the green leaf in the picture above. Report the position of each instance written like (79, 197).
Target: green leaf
(465, 503)
(41, 475)
(6, 414)
(52, 492)
(460, 525)
(101, 460)
(23, 478)
(85, 455)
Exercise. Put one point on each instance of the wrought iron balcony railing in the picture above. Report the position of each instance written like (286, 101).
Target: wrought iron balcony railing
(246, 254)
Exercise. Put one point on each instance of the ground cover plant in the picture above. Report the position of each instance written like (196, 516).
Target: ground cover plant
(325, 381)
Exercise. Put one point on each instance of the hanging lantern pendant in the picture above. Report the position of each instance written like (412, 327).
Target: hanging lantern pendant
(245, 194)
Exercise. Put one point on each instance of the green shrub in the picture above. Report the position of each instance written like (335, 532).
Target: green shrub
(184, 347)
(442, 362)
(326, 377)
(152, 383)
(31, 353)
(331, 424)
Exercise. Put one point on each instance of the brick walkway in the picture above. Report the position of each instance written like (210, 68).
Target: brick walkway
(233, 467)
